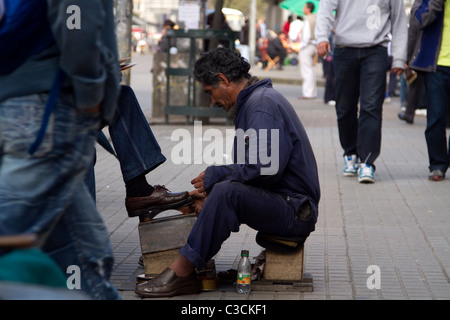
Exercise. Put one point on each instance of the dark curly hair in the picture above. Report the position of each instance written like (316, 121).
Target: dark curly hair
(221, 60)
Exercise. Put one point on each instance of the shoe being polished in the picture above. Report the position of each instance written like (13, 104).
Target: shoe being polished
(160, 199)
(168, 284)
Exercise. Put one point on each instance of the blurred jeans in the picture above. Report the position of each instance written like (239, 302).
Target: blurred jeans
(45, 193)
(360, 77)
(437, 88)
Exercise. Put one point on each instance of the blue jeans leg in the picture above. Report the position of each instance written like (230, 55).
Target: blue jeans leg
(134, 142)
(437, 88)
(360, 75)
(230, 204)
(45, 193)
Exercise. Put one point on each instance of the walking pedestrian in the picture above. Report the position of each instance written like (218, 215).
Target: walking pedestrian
(430, 24)
(307, 53)
(360, 59)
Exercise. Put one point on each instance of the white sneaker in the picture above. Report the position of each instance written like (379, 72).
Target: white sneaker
(365, 173)
(350, 169)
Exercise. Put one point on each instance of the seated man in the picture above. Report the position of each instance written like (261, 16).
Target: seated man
(277, 47)
(268, 196)
(138, 153)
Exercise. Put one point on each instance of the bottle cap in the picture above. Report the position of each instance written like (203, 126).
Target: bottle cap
(244, 253)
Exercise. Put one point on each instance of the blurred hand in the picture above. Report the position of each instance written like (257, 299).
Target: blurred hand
(397, 71)
(93, 110)
(323, 49)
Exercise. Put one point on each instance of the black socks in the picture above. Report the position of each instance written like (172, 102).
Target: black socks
(138, 187)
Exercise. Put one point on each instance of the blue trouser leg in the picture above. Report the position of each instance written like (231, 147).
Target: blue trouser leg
(230, 204)
(437, 88)
(136, 147)
(360, 73)
(134, 142)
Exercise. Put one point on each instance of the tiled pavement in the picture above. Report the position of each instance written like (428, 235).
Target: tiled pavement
(400, 224)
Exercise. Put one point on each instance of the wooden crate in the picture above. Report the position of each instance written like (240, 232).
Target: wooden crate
(160, 240)
(284, 272)
(284, 266)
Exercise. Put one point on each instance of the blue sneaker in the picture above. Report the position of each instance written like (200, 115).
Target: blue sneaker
(365, 173)
(350, 169)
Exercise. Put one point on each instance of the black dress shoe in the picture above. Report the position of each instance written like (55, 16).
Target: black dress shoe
(403, 117)
(167, 284)
(160, 199)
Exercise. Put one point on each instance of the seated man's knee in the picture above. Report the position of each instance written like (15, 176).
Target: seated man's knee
(223, 189)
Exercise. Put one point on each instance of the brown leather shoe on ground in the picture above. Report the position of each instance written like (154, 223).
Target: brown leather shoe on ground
(167, 284)
(160, 199)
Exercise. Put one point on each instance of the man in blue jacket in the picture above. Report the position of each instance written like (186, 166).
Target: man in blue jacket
(279, 197)
(430, 46)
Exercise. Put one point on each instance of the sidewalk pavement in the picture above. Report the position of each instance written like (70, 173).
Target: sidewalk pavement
(383, 241)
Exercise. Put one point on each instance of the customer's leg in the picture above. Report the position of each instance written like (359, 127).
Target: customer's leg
(134, 142)
(373, 85)
(347, 72)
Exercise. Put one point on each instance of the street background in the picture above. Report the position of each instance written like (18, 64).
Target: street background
(400, 224)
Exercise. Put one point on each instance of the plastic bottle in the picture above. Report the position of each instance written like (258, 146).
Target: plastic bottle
(244, 269)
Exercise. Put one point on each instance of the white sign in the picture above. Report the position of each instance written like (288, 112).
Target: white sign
(190, 15)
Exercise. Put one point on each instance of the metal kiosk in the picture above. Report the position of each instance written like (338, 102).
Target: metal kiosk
(191, 107)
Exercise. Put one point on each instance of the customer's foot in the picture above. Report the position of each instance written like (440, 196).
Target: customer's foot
(402, 116)
(350, 169)
(160, 199)
(365, 173)
(168, 284)
(436, 175)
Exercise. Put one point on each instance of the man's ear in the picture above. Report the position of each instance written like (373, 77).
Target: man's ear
(223, 79)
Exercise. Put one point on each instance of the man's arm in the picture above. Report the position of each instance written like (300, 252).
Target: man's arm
(324, 24)
(399, 31)
(427, 12)
(81, 49)
(277, 146)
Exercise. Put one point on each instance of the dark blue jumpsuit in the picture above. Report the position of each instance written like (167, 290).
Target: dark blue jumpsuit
(265, 195)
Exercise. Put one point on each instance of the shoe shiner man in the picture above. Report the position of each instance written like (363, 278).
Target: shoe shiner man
(278, 197)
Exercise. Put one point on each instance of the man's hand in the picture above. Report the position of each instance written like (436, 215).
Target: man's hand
(323, 49)
(198, 183)
(397, 71)
(198, 199)
(94, 110)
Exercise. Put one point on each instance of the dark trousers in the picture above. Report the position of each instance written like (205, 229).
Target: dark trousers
(437, 87)
(360, 76)
(416, 92)
(330, 82)
(136, 147)
(232, 203)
